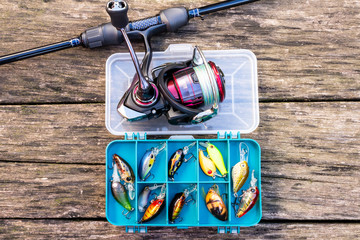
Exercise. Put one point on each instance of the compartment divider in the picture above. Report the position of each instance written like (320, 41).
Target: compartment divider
(198, 204)
(197, 183)
(167, 199)
(197, 163)
(167, 203)
(229, 181)
(136, 183)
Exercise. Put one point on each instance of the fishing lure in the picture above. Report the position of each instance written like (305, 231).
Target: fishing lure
(207, 165)
(178, 202)
(240, 171)
(215, 203)
(177, 159)
(248, 198)
(126, 174)
(148, 160)
(119, 193)
(216, 157)
(144, 197)
(156, 206)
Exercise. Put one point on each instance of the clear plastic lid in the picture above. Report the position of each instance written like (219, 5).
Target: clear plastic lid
(239, 112)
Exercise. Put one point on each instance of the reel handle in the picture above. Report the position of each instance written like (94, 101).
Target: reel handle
(117, 10)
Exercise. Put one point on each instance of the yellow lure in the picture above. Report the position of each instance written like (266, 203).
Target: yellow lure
(216, 157)
(207, 165)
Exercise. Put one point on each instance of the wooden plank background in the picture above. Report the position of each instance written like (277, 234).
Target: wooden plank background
(53, 135)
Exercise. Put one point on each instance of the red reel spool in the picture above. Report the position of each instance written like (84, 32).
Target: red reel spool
(185, 86)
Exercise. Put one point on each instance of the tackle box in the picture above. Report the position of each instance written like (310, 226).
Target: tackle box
(238, 113)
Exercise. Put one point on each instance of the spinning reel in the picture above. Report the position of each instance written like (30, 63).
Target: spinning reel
(187, 92)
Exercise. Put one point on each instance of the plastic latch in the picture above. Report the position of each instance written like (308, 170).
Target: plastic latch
(179, 137)
(182, 48)
(182, 227)
(142, 229)
(133, 229)
(232, 230)
(228, 135)
(133, 136)
(130, 229)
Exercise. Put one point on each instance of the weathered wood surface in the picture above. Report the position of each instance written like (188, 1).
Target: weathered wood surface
(53, 136)
(42, 229)
(309, 170)
(315, 133)
(306, 49)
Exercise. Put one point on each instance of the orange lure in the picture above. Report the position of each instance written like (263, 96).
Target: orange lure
(153, 210)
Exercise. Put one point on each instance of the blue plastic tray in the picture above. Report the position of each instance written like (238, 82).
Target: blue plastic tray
(193, 215)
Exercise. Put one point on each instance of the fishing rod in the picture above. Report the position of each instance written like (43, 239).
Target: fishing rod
(106, 34)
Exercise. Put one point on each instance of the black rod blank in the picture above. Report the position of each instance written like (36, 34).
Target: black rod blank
(222, 5)
(40, 51)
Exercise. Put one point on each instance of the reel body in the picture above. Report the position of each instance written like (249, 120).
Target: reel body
(186, 93)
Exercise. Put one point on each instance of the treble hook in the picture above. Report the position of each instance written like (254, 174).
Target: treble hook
(127, 215)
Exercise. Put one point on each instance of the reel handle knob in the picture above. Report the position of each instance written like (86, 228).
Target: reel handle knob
(117, 10)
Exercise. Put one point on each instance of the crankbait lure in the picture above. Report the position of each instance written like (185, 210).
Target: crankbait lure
(215, 203)
(216, 157)
(155, 207)
(178, 203)
(144, 197)
(177, 159)
(119, 193)
(126, 174)
(248, 198)
(148, 160)
(240, 171)
(207, 165)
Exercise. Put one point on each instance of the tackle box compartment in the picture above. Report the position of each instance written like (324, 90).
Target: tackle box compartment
(238, 114)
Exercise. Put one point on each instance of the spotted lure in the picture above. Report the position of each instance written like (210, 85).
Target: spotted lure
(126, 174)
(240, 172)
(248, 198)
(119, 193)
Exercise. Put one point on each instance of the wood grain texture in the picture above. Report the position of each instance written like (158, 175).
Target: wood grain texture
(321, 133)
(61, 229)
(306, 49)
(310, 167)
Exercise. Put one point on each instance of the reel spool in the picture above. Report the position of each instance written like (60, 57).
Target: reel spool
(190, 88)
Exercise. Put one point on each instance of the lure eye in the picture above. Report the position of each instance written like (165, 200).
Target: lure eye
(151, 156)
(242, 165)
(150, 165)
(253, 190)
(128, 178)
(209, 172)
